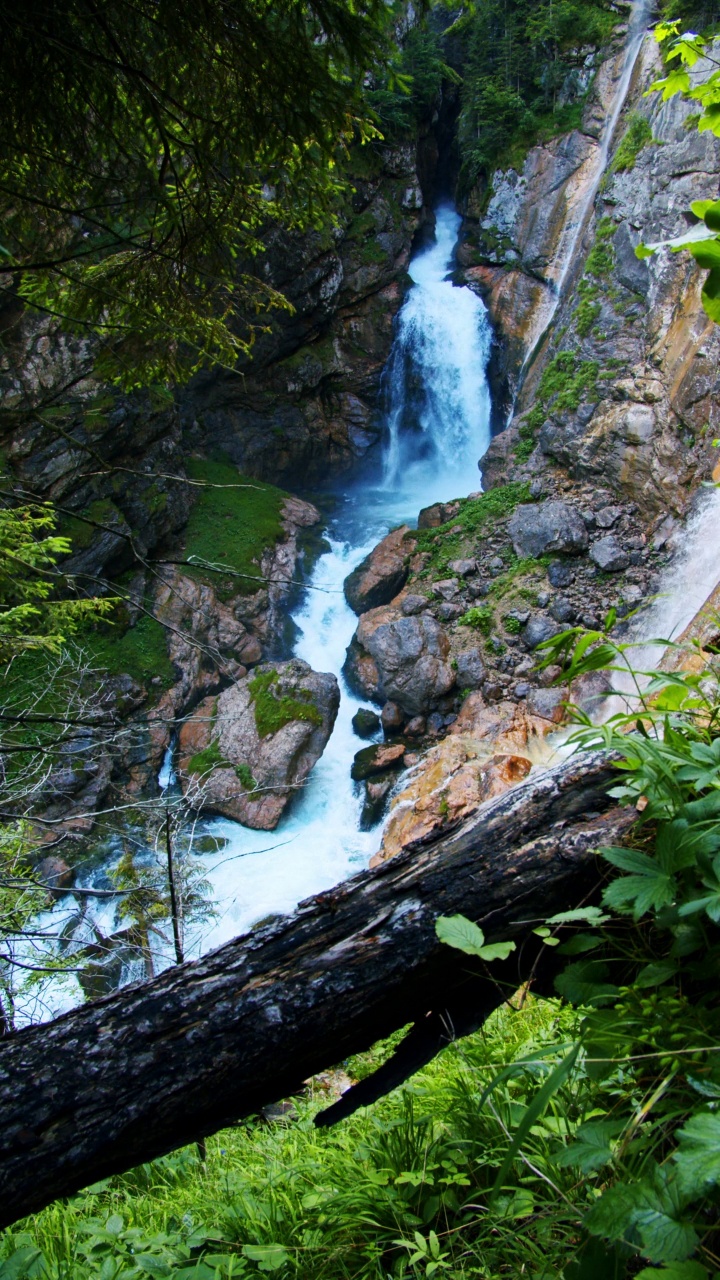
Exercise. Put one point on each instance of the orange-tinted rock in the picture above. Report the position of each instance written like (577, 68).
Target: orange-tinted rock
(382, 574)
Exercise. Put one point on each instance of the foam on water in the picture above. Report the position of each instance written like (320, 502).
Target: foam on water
(431, 454)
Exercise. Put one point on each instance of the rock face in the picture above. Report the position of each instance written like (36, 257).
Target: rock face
(402, 659)
(551, 526)
(624, 390)
(382, 574)
(487, 750)
(245, 753)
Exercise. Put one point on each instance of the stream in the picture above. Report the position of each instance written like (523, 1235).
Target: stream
(437, 426)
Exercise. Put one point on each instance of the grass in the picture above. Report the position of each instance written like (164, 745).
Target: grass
(335, 1204)
(232, 527)
(273, 712)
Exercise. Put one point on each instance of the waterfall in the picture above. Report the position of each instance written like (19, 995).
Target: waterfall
(438, 401)
(437, 426)
(576, 223)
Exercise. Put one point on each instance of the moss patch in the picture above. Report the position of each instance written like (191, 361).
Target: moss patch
(272, 712)
(474, 516)
(232, 527)
(637, 135)
(211, 758)
(141, 651)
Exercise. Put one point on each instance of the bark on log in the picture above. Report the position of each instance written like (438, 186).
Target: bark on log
(164, 1063)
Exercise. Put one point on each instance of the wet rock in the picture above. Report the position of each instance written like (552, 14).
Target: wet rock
(54, 872)
(439, 513)
(365, 722)
(415, 728)
(382, 574)
(392, 718)
(377, 759)
(413, 604)
(536, 528)
(609, 555)
(411, 656)
(245, 753)
(537, 630)
(377, 790)
(560, 574)
(435, 724)
(548, 704)
(470, 669)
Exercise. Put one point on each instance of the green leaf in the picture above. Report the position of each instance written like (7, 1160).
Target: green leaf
(19, 1263)
(269, 1257)
(706, 253)
(461, 933)
(674, 1271)
(591, 1149)
(591, 915)
(698, 1156)
(655, 973)
(648, 1214)
(711, 296)
(583, 983)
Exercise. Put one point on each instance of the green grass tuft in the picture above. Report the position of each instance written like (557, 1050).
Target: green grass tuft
(140, 652)
(637, 135)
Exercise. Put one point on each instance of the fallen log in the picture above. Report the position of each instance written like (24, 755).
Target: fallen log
(160, 1064)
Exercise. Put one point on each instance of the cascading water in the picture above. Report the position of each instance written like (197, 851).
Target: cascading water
(438, 426)
(576, 223)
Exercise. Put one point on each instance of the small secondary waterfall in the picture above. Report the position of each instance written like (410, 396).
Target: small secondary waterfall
(577, 222)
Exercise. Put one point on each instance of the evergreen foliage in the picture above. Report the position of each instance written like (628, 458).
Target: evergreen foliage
(145, 146)
(521, 74)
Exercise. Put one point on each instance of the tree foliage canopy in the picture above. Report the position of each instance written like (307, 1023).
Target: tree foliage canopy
(145, 144)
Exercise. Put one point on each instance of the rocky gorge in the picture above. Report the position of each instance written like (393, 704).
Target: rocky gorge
(603, 370)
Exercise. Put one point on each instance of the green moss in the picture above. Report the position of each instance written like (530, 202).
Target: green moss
(211, 758)
(585, 316)
(208, 759)
(273, 712)
(232, 527)
(528, 439)
(566, 382)
(140, 651)
(601, 258)
(474, 515)
(372, 252)
(512, 625)
(80, 532)
(637, 135)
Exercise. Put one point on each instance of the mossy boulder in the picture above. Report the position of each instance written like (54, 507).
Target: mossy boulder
(245, 753)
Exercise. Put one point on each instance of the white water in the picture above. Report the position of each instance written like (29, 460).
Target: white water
(577, 222)
(438, 426)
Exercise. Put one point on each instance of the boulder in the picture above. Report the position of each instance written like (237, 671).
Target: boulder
(365, 722)
(548, 704)
(439, 513)
(470, 669)
(608, 555)
(245, 753)
(411, 657)
(446, 588)
(537, 630)
(392, 718)
(562, 609)
(539, 527)
(377, 759)
(560, 574)
(382, 574)
(413, 604)
(463, 567)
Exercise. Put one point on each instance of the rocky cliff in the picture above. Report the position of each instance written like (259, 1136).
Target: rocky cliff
(615, 411)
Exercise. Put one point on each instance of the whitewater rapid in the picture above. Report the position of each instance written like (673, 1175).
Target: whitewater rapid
(437, 427)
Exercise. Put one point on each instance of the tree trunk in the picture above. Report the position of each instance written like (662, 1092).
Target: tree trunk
(164, 1063)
